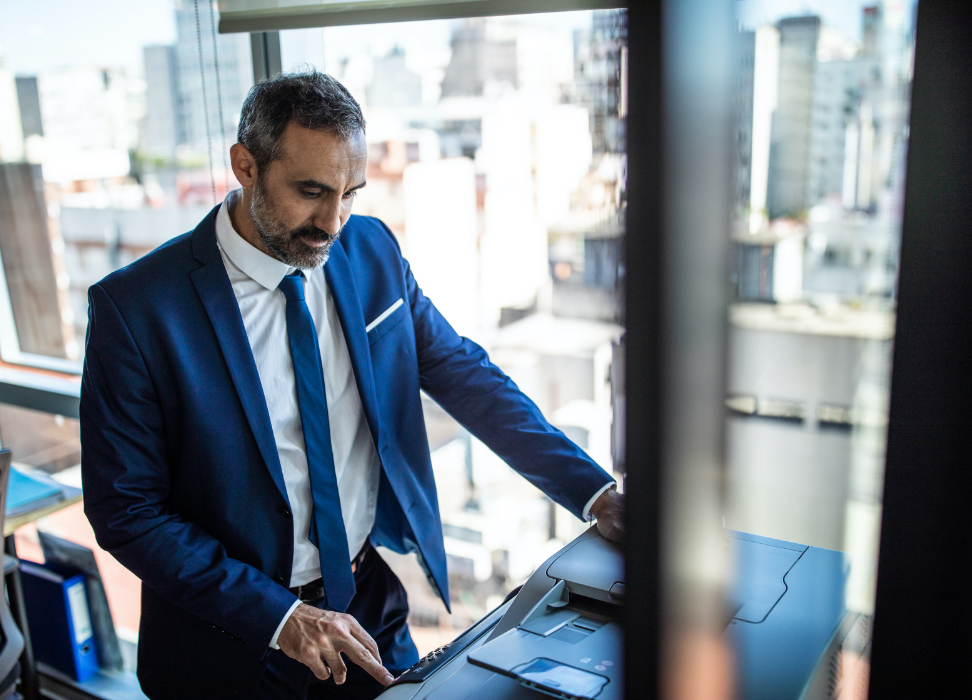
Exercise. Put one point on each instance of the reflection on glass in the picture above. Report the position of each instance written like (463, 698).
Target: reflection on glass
(821, 102)
(565, 681)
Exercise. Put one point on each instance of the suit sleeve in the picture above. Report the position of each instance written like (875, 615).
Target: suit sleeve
(126, 479)
(458, 375)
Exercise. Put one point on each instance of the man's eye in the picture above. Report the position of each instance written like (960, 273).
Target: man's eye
(312, 194)
(350, 195)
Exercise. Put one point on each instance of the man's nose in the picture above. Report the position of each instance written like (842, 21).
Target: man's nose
(328, 216)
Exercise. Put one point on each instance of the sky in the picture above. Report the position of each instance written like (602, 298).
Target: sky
(41, 34)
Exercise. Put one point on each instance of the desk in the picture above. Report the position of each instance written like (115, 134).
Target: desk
(15, 590)
(11, 524)
(37, 680)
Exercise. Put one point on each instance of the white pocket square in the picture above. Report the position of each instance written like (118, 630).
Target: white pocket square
(384, 314)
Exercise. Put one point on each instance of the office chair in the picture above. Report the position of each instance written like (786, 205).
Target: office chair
(10, 636)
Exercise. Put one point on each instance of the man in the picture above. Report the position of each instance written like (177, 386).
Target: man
(251, 423)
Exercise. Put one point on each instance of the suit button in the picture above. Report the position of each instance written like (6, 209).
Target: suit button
(283, 510)
(279, 579)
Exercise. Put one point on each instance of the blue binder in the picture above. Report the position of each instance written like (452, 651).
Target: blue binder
(59, 620)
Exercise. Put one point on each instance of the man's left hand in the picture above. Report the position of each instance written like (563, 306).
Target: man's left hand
(608, 510)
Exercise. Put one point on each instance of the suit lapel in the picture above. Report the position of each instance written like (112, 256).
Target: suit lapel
(216, 293)
(340, 280)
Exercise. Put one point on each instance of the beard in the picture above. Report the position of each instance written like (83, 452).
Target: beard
(286, 245)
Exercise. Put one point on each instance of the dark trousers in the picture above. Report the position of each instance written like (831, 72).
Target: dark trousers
(381, 607)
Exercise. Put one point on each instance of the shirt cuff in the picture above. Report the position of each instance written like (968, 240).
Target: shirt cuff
(588, 516)
(276, 635)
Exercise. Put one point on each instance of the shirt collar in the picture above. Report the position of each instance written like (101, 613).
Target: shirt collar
(254, 263)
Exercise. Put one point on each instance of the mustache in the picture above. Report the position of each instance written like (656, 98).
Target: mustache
(313, 233)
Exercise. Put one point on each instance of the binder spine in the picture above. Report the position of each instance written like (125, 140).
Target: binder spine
(60, 621)
(80, 628)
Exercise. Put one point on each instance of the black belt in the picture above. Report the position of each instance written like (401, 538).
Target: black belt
(313, 592)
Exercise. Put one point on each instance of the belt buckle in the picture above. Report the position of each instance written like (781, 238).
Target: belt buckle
(312, 592)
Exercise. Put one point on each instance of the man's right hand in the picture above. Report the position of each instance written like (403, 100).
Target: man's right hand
(317, 638)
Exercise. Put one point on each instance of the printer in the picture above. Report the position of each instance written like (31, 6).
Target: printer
(561, 634)
(790, 632)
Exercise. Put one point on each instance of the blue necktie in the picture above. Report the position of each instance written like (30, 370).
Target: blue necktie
(327, 524)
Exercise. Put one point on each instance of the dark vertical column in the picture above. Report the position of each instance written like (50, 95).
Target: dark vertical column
(643, 289)
(922, 616)
(675, 313)
(265, 52)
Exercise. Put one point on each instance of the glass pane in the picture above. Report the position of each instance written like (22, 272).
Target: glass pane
(496, 156)
(822, 102)
(107, 148)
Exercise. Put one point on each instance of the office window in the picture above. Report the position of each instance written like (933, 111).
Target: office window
(496, 156)
(109, 146)
(822, 102)
(107, 149)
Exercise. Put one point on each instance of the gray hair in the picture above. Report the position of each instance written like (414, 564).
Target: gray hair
(311, 99)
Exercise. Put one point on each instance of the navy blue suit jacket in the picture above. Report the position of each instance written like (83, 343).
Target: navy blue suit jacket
(182, 481)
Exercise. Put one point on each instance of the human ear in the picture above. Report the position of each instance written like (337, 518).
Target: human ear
(244, 165)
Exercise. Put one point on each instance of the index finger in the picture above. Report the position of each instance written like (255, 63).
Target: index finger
(365, 659)
(361, 634)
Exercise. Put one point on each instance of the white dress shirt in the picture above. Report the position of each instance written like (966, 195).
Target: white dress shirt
(255, 276)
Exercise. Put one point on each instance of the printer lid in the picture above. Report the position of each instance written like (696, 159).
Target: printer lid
(593, 568)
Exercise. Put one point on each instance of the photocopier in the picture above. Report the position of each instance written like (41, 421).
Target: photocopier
(562, 633)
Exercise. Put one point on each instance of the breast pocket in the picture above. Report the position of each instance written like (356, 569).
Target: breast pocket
(386, 320)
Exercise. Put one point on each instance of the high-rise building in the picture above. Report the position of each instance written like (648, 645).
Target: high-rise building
(84, 122)
(599, 78)
(742, 111)
(393, 84)
(836, 94)
(859, 116)
(210, 91)
(477, 59)
(11, 132)
(28, 98)
(792, 120)
(163, 129)
(888, 77)
(754, 106)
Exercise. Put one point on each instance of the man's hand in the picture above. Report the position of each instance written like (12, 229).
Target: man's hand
(317, 638)
(608, 510)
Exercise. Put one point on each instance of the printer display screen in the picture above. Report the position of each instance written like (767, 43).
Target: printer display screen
(560, 679)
